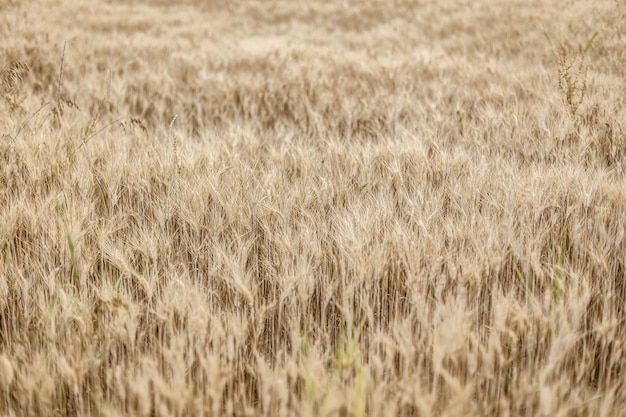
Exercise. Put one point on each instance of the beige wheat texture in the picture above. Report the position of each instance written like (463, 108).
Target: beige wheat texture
(312, 208)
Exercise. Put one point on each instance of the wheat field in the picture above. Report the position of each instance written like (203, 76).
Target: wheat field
(312, 208)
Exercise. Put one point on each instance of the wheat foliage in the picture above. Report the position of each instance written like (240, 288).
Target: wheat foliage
(312, 208)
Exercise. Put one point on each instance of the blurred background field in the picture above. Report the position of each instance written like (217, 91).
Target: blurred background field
(320, 208)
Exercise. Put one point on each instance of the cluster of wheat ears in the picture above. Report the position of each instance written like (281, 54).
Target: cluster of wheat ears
(312, 208)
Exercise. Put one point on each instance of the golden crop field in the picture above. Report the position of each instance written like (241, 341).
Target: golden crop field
(312, 208)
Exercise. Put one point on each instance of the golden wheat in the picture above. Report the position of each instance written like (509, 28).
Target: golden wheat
(326, 208)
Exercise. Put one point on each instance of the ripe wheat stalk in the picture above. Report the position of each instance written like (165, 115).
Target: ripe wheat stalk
(385, 208)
